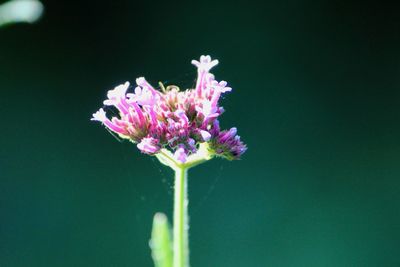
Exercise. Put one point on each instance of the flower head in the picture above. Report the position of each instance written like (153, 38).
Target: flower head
(173, 121)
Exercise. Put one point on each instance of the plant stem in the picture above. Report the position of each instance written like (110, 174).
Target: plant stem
(181, 225)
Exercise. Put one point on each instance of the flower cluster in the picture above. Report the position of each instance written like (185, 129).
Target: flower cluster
(172, 119)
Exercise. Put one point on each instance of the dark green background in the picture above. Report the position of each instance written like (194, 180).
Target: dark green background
(316, 96)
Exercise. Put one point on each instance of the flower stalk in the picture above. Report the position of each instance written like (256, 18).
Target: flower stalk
(181, 201)
(181, 224)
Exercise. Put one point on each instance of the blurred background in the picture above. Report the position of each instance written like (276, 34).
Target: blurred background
(316, 94)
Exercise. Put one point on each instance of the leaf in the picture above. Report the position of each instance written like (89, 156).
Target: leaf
(160, 243)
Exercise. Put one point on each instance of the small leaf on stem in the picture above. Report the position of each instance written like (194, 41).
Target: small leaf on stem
(160, 243)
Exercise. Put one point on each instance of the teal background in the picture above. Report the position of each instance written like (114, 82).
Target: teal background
(315, 96)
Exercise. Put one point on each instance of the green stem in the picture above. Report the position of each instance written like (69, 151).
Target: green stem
(181, 225)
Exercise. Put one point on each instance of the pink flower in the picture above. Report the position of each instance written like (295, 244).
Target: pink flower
(205, 135)
(205, 63)
(100, 116)
(149, 145)
(180, 155)
(203, 77)
(145, 94)
(174, 120)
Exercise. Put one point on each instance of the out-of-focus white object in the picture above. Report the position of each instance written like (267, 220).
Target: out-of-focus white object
(16, 11)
